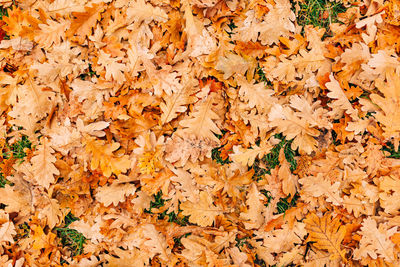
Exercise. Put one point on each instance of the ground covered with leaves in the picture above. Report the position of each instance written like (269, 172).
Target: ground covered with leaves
(199, 133)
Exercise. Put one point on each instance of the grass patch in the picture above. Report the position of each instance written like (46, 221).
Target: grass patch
(260, 76)
(172, 216)
(268, 195)
(231, 26)
(71, 238)
(241, 241)
(216, 152)
(271, 160)
(216, 155)
(283, 205)
(175, 217)
(319, 13)
(389, 147)
(177, 242)
(90, 73)
(3, 12)
(157, 203)
(23, 231)
(17, 149)
(4, 181)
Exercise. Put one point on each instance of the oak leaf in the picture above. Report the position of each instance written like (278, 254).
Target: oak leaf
(83, 22)
(7, 228)
(103, 157)
(114, 193)
(327, 232)
(43, 168)
(293, 127)
(201, 121)
(289, 180)
(253, 217)
(176, 103)
(317, 186)
(51, 33)
(48, 208)
(202, 213)
(341, 103)
(389, 104)
(234, 64)
(375, 241)
(180, 150)
(246, 157)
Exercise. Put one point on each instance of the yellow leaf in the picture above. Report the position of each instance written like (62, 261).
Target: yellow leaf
(41, 240)
(327, 233)
(84, 22)
(103, 157)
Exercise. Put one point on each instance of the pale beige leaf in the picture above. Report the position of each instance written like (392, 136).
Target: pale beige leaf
(52, 32)
(253, 217)
(375, 241)
(201, 121)
(43, 168)
(203, 212)
(7, 228)
(115, 193)
(246, 157)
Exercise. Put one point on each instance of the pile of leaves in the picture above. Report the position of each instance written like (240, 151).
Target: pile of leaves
(199, 133)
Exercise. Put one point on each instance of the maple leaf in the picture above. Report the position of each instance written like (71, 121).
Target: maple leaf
(327, 232)
(103, 157)
(203, 212)
(42, 168)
